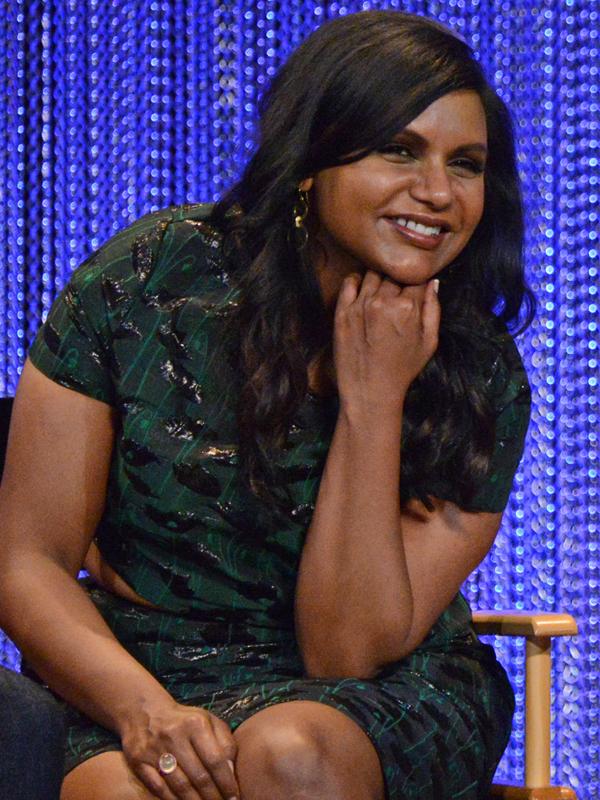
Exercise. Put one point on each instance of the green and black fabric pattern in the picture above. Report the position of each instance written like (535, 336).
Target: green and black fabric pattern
(140, 326)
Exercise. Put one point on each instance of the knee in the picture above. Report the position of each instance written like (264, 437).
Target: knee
(306, 750)
(288, 754)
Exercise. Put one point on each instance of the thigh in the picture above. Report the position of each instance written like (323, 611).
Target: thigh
(89, 780)
(345, 746)
(307, 736)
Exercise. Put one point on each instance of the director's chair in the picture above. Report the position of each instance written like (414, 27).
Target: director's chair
(538, 630)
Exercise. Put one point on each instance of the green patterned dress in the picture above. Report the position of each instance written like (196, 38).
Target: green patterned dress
(139, 326)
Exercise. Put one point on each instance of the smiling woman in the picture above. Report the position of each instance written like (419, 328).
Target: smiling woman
(408, 209)
(281, 432)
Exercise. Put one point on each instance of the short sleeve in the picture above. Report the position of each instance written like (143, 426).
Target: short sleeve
(74, 345)
(513, 407)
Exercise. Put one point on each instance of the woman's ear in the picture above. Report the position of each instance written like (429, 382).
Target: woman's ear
(306, 184)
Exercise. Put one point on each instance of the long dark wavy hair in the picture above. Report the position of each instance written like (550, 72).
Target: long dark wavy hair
(345, 92)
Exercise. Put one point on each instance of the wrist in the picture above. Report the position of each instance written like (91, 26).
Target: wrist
(371, 416)
(141, 709)
(369, 433)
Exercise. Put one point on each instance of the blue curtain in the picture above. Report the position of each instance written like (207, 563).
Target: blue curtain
(112, 109)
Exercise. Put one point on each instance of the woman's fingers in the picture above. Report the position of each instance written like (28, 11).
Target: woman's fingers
(348, 292)
(389, 289)
(177, 784)
(181, 787)
(197, 775)
(217, 781)
(416, 292)
(370, 284)
(227, 741)
(371, 294)
(431, 312)
(427, 307)
(203, 747)
(216, 753)
(154, 782)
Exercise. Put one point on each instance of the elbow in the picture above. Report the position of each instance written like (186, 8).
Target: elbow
(353, 649)
(363, 660)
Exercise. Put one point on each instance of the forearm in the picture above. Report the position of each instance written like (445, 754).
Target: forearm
(353, 597)
(65, 639)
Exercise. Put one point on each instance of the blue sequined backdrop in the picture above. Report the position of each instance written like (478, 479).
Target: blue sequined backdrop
(109, 110)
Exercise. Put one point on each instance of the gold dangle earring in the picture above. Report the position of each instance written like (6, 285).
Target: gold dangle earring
(300, 212)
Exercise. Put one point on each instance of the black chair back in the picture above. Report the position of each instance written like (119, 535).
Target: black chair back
(5, 411)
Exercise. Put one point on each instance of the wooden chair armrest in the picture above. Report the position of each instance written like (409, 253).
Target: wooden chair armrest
(501, 792)
(524, 623)
(537, 628)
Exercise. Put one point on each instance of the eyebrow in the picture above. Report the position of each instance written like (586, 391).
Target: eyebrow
(471, 147)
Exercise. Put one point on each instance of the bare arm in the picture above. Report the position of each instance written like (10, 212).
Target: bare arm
(373, 580)
(51, 499)
(52, 496)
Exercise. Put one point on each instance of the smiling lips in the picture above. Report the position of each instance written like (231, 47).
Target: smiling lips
(426, 236)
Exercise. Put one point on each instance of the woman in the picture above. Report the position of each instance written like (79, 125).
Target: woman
(312, 450)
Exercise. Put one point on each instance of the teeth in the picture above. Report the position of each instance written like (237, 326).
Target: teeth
(417, 227)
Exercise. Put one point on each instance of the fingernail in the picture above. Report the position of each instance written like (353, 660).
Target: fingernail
(233, 770)
(436, 285)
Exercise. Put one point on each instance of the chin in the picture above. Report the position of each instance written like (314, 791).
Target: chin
(409, 276)
(410, 270)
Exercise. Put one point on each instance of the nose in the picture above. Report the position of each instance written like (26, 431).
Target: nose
(432, 185)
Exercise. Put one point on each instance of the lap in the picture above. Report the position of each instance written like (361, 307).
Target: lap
(434, 737)
(438, 721)
(344, 750)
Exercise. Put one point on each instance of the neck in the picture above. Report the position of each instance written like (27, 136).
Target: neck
(330, 272)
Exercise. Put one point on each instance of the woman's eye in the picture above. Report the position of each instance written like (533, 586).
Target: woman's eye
(396, 150)
(468, 166)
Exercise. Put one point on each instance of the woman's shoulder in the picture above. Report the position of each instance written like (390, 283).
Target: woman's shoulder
(166, 244)
(163, 260)
(189, 259)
